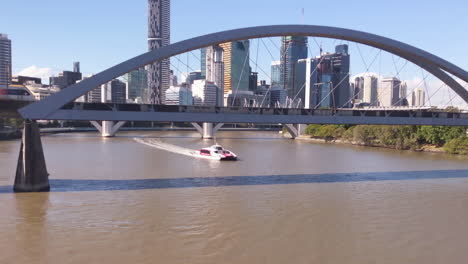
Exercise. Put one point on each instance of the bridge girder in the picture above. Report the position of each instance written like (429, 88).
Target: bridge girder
(433, 64)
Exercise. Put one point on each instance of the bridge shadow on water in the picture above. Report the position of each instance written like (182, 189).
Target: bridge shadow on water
(76, 185)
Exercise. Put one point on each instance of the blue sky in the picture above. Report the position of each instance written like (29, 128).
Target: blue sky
(100, 33)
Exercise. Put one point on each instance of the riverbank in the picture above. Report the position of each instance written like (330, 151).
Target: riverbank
(438, 139)
(426, 148)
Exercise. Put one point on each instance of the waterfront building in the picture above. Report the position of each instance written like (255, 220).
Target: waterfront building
(389, 92)
(40, 91)
(158, 36)
(179, 95)
(206, 93)
(114, 92)
(293, 48)
(5, 61)
(137, 85)
(66, 78)
(276, 73)
(236, 65)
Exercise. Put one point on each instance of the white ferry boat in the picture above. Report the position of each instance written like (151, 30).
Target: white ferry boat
(215, 152)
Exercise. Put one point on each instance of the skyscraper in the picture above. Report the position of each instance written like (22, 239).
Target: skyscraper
(276, 73)
(66, 78)
(158, 36)
(370, 90)
(307, 78)
(137, 84)
(213, 71)
(293, 48)
(205, 93)
(113, 91)
(418, 97)
(236, 65)
(389, 92)
(358, 91)
(5, 61)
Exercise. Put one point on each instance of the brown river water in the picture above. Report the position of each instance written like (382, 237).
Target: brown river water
(117, 200)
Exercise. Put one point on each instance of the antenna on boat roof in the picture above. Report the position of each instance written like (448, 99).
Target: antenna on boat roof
(214, 138)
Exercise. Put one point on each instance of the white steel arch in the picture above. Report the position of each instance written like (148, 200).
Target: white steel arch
(433, 64)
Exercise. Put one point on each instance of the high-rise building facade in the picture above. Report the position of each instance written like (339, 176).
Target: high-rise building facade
(293, 48)
(5, 61)
(370, 94)
(66, 78)
(179, 95)
(137, 85)
(276, 73)
(389, 92)
(307, 83)
(158, 36)
(236, 65)
(114, 92)
(205, 93)
(213, 66)
(333, 79)
(418, 97)
(358, 91)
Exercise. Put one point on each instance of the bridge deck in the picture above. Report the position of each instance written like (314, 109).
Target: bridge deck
(176, 113)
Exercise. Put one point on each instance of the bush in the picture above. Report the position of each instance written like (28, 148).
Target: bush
(457, 146)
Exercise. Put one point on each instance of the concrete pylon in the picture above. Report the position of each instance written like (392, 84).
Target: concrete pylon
(108, 128)
(207, 130)
(31, 171)
(295, 130)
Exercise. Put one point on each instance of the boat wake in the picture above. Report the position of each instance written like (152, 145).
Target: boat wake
(156, 143)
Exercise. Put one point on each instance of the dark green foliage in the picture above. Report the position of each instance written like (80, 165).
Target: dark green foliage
(454, 139)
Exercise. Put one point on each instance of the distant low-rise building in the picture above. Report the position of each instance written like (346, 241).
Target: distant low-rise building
(179, 95)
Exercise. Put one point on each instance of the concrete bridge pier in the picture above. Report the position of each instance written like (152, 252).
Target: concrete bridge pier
(108, 128)
(295, 130)
(207, 130)
(31, 171)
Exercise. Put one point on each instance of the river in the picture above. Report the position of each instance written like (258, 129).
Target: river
(116, 200)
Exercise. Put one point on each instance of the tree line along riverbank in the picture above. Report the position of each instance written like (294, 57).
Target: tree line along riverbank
(453, 140)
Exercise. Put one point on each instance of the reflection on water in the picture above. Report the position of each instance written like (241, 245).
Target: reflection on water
(116, 200)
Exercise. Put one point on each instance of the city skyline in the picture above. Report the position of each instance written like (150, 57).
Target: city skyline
(386, 68)
(135, 28)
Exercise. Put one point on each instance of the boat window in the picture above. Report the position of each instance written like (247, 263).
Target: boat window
(204, 151)
(216, 152)
(219, 148)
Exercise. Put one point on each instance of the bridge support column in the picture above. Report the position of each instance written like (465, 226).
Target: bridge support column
(31, 171)
(207, 130)
(108, 128)
(295, 130)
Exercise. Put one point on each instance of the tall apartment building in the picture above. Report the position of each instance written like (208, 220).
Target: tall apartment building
(370, 94)
(159, 32)
(236, 65)
(293, 48)
(206, 93)
(418, 97)
(276, 73)
(114, 92)
(179, 95)
(389, 92)
(137, 85)
(66, 78)
(5, 61)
